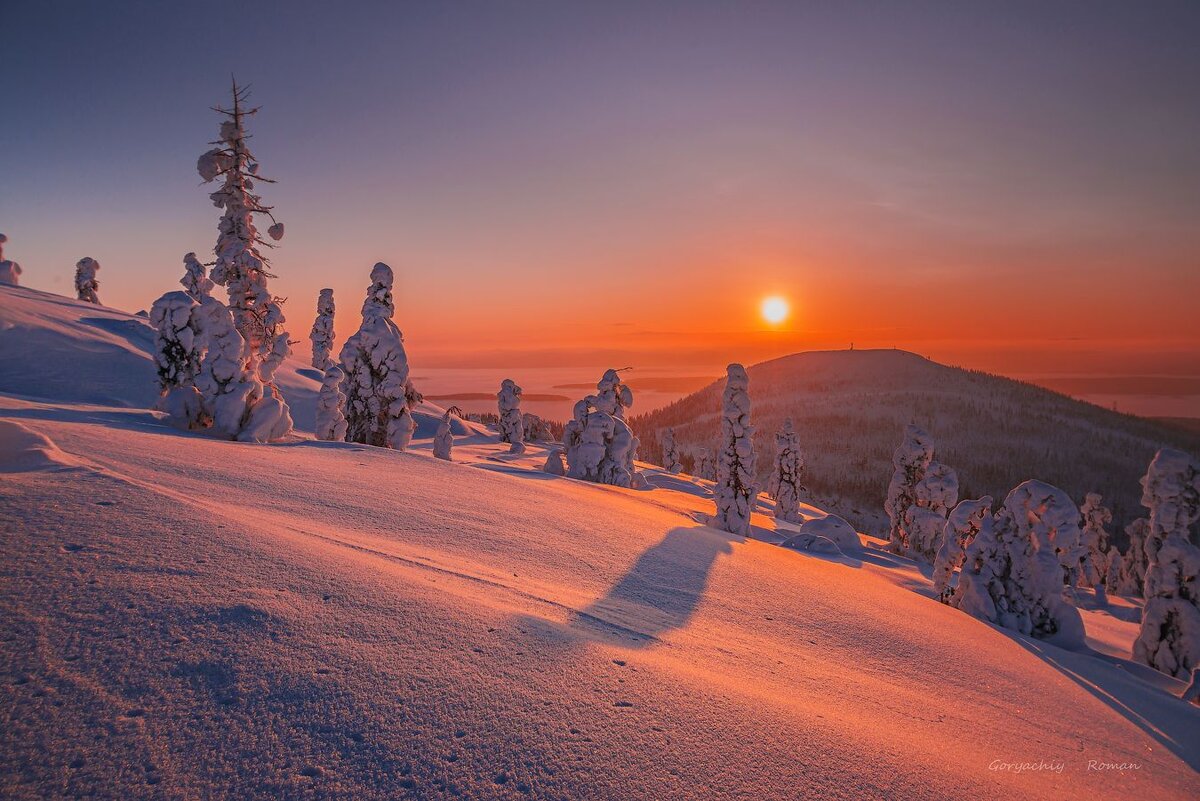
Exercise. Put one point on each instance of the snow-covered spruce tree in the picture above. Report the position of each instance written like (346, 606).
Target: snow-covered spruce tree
(910, 460)
(1169, 639)
(705, 466)
(599, 444)
(962, 527)
(195, 279)
(536, 428)
(735, 491)
(379, 395)
(331, 406)
(10, 271)
(670, 452)
(554, 463)
(322, 331)
(784, 484)
(178, 351)
(443, 440)
(87, 286)
(1094, 560)
(1126, 572)
(925, 519)
(512, 425)
(240, 266)
(1011, 575)
(240, 405)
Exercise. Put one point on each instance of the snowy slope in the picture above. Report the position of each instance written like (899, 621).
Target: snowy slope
(850, 409)
(183, 617)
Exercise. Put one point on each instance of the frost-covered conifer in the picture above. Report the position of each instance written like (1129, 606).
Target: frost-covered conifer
(1011, 575)
(379, 395)
(1126, 572)
(87, 286)
(240, 405)
(443, 440)
(910, 460)
(705, 465)
(670, 452)
(10, 271)
(178, 351)
(195, 279)
(512, 425)
(600, 446)
(1169, 639)
(240, 266)
(784, 484)
(331, 406)
(536, 428)
(735, 491)
(925, 519)
(1094, 560)
(322, 331)
(962, 526)
(554, 463)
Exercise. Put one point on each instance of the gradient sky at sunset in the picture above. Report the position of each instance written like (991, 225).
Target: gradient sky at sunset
(1013, 186)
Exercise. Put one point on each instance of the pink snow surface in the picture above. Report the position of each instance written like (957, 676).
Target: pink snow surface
(182, 617)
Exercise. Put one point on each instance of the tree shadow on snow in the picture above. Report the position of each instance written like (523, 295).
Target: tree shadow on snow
(1138, 693)
(659, 592)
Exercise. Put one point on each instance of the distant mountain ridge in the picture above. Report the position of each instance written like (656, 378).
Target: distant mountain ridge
(850, 408)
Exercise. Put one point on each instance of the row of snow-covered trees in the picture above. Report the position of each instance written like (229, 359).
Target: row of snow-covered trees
(87, 286)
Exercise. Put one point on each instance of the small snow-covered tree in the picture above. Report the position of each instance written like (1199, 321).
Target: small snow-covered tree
(600, 446)
(443, 440)
(512, 425)
(910, 460)
(554, 463)
(240, 405)
(87, 286)
(178, 351)
(537, 429)
(1011, 575)
(240, 266)
(705, 465)
(670, 452)
(1169, 638)
(195, 279)
(925, 519)
(331, 406)
(784, 483)
(322, 331)
(10, 271)
(962, 526)
(735, 491)
(379, 395)
(1126, 572)
(1094, 560)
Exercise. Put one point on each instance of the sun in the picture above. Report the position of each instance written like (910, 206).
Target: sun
(775, 309)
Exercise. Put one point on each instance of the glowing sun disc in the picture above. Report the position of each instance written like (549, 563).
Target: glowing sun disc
(775, 309)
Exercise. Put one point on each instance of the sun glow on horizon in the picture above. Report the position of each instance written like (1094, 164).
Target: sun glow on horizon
(775, 309)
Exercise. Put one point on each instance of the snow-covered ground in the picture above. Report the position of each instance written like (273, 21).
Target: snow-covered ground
(182, 617)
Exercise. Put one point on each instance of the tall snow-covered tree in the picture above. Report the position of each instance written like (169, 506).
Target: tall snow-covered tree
(240, 266)
(910, 460)
(599, 444)
(10, 271)
(670, 451)
(512, 425)
(322, 331)
(331, 405)
(1011, 575)
(443, 440)
(962, 527)
(1126, 573)
(178, 351)
(925, 519)
(1093, 564)
(240, 405)
(1169, 638)
(735, 491)
(784, 483)
(379, 395)
(195, 279)
(87, 285)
